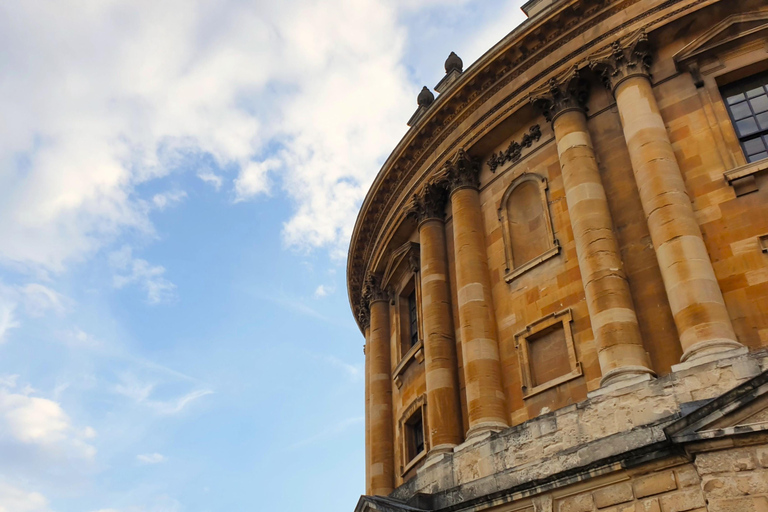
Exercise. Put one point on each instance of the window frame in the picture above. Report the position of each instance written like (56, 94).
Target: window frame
(564, 317)
(410, 460)
(512, 271)
(743, 87)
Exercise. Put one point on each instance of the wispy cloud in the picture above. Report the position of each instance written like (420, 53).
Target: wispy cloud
(135, 270)
(17, 499)
(323, 291)
(210, 178)
(141, 392)
(162, 201)
(151, 458)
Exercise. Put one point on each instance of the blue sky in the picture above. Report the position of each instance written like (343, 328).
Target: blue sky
(178, 184)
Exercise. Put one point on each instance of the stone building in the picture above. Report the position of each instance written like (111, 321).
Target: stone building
(561, 271)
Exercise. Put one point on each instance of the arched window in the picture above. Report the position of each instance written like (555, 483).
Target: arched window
(528, 235)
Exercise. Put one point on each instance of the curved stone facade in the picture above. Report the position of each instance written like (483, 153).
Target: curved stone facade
(564, 257)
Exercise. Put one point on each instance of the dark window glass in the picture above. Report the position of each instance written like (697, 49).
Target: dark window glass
(747, 103)
(415, 435)
(414, 318)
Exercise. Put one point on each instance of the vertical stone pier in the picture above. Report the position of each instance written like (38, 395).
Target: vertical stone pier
(382, 453)
(443, 408)
(620, 350)
(701, 318)
(486, 402)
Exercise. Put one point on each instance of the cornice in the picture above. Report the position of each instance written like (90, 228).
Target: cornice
(495, 70)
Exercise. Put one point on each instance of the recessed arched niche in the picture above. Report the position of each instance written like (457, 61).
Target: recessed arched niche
(526, 224)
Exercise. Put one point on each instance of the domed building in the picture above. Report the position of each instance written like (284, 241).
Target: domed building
(561, 271)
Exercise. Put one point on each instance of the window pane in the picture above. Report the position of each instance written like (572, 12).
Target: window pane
(740, 110)
(754, 146)
(762, 120)
(735, 99)
(755, 92)
(759, 156)
(759, 104)
(746, 126)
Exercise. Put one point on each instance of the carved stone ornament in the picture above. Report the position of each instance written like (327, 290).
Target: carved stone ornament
(364, 316)
(463, 171)
(430, 203)
(372, 290)
(514, 151)
(568, 92)
(623, 60)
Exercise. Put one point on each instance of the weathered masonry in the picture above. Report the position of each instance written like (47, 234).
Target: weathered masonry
(561, 271)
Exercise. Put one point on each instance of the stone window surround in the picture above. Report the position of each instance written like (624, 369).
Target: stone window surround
(401, 272)
(418, 404)
(715, 65)
(565, 317)
(512, 271)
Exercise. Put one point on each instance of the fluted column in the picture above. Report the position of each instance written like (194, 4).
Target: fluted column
(486, 402)
(382, 453)
(699, 311)
(443, 408)
(612, 314)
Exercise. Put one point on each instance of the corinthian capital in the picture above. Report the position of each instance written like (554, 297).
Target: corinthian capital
(561, 94)
(430, 203)
(620, 61)
(372, 290)
(463, 171)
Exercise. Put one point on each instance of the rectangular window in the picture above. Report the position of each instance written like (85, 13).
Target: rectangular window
(747, 104)
(415, 435)
(413, 319)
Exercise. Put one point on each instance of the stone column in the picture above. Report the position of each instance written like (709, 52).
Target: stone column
(486, 401)
(620, 348)
(382, 451)
(702, 320)
(364, 319)
(443, 408)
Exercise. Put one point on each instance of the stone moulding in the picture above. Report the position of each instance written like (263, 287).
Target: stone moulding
(497, 69)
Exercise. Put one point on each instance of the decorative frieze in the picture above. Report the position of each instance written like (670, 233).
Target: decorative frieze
(620, 61)
(463, 171)
(567, 92)
(514, 151)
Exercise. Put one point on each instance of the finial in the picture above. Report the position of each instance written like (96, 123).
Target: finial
(425, 97)
(453, 62)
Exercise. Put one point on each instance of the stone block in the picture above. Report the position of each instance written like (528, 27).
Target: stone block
(578, 503)
(651, 505)
(656, 483)
(747, 504)
(613, 495)
(725, 461)
(687, 477)
(682, 501)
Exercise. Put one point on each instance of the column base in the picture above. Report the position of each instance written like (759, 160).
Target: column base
(440, 449)
(626, 376)
(714, 351)
(486, 426)
(705, 349)
(627, 381)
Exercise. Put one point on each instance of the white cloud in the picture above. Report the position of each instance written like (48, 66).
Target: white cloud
(41, 422)
(36, 300)
(323, 291)
(8, 319)
(16, 499)
(151, 458)
(211, 178)
(162, 201)
(136, 270)
(254, 178)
